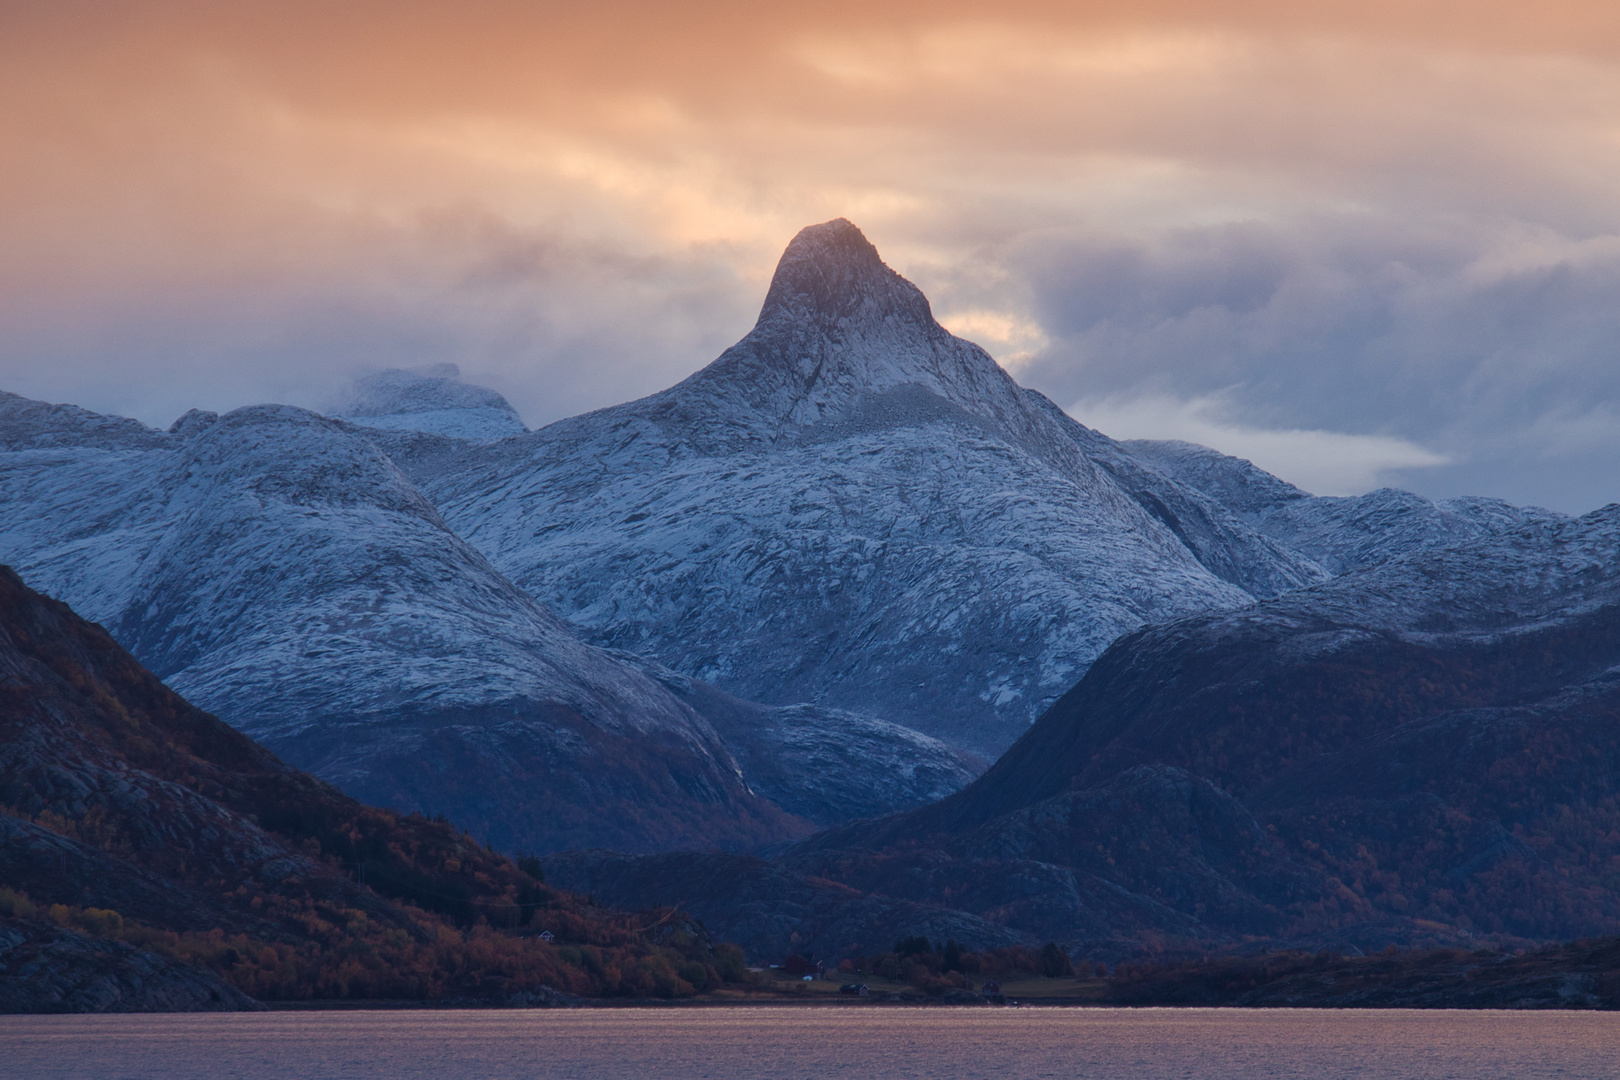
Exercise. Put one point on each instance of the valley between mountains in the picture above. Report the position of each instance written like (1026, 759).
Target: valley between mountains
(847, 638)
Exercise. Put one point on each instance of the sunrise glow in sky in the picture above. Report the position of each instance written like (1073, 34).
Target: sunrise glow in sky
(1360, 243)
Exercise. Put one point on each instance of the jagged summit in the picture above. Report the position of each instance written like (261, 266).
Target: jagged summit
(839, 334)
(831, 271)
(850, 504)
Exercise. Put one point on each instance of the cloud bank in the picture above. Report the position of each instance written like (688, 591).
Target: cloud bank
(1321, 462)
(1390, 224)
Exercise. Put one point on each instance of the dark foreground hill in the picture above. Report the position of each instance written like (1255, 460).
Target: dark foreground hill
(1425, 753)
(152, 857)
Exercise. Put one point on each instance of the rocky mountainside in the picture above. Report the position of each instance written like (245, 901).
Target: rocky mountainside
(50, 969)
(151, 857)
(851, 517)
(1338, 533)
(854, 508)
(275, 566)
(1422, 753)
(826, 765)
(1476, 614)
(1427, 750)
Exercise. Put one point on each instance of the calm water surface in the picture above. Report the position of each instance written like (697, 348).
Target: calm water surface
(781, 1044)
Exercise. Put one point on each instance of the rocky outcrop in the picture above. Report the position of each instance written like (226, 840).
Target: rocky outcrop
(46, 969)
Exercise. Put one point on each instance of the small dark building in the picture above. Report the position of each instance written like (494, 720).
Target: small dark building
(854, 989)
(799, 966)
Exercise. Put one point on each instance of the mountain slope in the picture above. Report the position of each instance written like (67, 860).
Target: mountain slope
(129, 815)
(274, 564)
(1342, 533)
(71, 972)
(851, 516)
(1428, 750)
(826, 765)
(277, 567)
(849, 507)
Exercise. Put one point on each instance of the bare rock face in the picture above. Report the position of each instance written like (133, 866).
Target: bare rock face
(46, 969)
(852, 508)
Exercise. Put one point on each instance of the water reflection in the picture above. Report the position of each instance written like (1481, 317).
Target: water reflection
(784, 1043)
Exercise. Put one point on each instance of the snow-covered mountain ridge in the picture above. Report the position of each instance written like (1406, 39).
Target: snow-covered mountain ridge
(1339, 533)
(855, 526)
(853, 507)
(1421, 752)
(275, 565)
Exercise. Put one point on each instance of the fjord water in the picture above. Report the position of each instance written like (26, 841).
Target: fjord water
(783, 1043)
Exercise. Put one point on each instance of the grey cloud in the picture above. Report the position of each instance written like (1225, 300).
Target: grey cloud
(1471, 338)
(1487, 342)
(558, 324)
(1238, 269)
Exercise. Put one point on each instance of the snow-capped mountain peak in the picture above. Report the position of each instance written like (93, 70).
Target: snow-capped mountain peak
(848, 504)
(838, 330)
(431, 399)
(831, 272)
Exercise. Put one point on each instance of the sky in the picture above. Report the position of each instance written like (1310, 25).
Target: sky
(1358, 243)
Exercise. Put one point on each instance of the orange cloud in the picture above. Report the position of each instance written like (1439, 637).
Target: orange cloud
(238, 200)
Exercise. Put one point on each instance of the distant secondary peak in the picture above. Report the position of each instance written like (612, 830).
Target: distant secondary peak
(431, 399)
(832, 271)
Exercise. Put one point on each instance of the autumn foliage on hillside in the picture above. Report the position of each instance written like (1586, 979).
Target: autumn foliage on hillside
(332, 953)
(127, 813)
